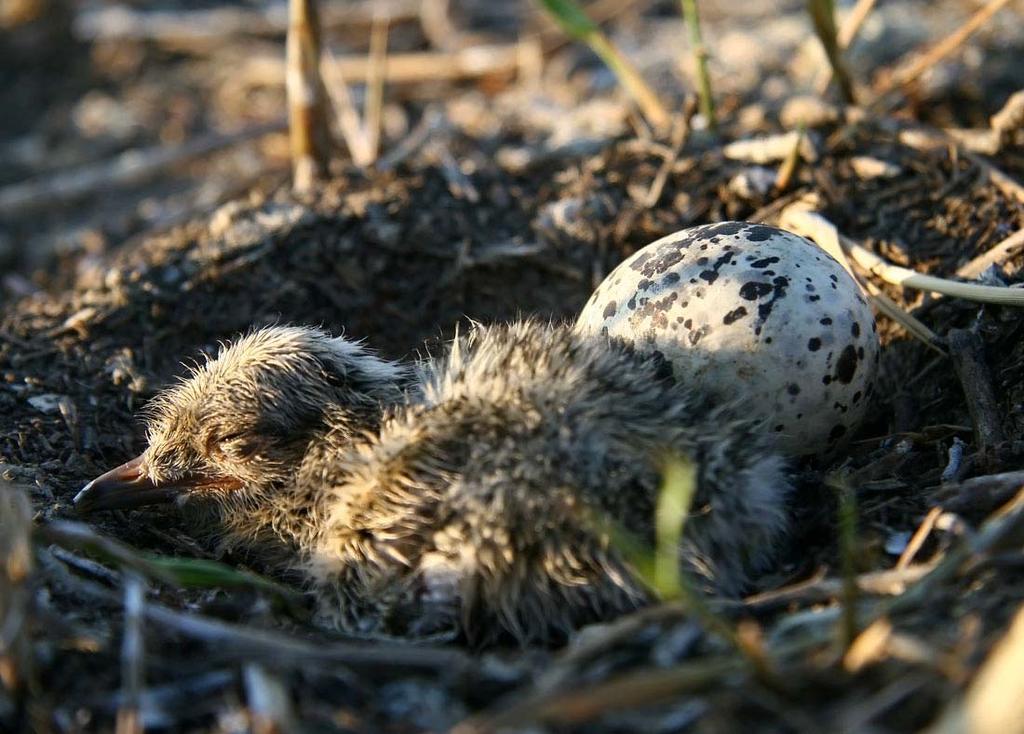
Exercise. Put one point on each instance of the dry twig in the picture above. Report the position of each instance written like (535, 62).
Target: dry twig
(909, 72)
(129, 719)
(968, 355)
(996, 255)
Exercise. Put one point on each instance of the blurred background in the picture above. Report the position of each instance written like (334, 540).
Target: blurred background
(127, 117)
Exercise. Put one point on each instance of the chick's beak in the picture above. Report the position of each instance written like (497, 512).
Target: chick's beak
(125, 487)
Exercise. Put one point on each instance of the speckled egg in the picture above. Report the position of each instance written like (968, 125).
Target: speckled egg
(753, 314)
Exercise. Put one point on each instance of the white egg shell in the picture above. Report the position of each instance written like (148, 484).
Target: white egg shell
(753, 314)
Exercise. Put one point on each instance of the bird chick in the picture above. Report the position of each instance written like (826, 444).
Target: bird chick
(234, 436)
(479, 505)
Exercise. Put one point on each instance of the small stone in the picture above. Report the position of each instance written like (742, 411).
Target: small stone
(807, 111)
(46, 403)
(867, 167)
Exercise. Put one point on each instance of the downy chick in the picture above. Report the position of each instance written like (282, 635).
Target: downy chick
(479, 508)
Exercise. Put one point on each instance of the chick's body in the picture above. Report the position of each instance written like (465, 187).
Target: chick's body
(483, 504)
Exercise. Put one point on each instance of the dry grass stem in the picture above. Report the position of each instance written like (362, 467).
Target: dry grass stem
(996, 255)
(801, 218)
(437, 25)
(374, 111)
(847, 523)
(918, 538)
(307, 122)
(494, 60)
(431, 122)
(345, 112)
(995, 700)
(911, 324)
(788, 167)
(680, 133)
(982, 493)
(909, 72)
(279, 649)
(1003, 527)
(892, 582)
(15, 569)
(133, 656)
(130, 168)
(269, 705)
(907, 278)
(813, 224)
(632, 690)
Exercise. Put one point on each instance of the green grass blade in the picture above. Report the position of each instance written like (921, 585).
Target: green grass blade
(570, 16)
(700, 60)
(679, 483)
(577, 25)
(174, 571)
(823, 17)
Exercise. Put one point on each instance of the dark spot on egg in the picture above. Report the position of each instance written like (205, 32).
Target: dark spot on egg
(764, 262)
(761, 233)
(697, 334)
(826, 321)
(753, 290)
(846, 365)
(670, 279)
(610, 309)
(793, 388)
(726, 228)
(814, 344)
(855, 329)
(735, 315)
(837, 432)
